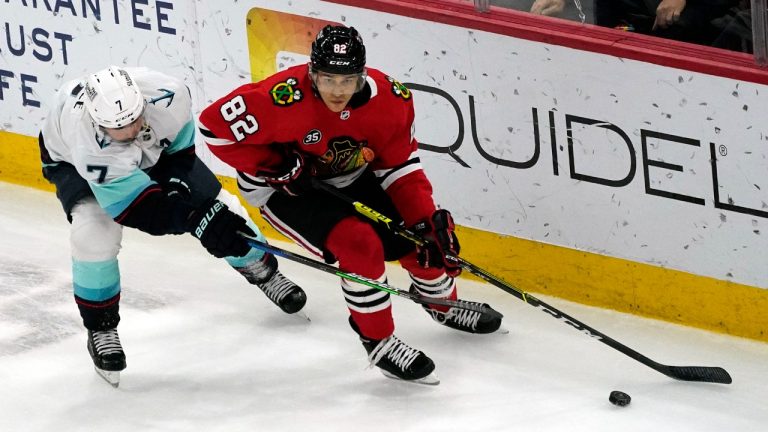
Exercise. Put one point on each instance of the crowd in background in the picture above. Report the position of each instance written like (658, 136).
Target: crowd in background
(723, 24)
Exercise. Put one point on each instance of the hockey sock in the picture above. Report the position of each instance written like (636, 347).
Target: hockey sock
(99, 315)
(359, 250)
(430, 282)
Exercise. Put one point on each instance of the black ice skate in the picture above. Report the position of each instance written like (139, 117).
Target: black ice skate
(107, 354)
(463, 319)
(288, 296)
(397, 360)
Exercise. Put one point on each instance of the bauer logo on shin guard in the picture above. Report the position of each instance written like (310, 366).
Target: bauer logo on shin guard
(215, 208)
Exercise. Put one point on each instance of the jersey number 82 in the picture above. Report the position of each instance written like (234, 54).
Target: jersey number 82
(231, 110)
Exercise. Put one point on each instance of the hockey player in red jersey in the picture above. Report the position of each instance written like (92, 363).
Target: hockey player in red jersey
(351, 127)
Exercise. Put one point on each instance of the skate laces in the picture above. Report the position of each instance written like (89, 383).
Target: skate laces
(395, 350)
(463, 317)
(277, 287)
(107, 342)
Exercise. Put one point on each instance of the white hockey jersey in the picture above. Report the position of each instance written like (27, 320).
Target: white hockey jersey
(116, 170)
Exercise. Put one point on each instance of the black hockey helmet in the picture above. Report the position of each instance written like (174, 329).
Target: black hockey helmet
(338, 50)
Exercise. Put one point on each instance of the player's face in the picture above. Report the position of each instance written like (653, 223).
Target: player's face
(128, 132)
(336, 90)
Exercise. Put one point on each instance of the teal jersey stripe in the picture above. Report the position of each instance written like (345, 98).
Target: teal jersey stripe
(114, 197)
(96, 281)
(184, 139)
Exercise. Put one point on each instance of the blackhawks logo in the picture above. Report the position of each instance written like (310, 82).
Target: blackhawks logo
(344, 154)
(399, 89)
(285, 93)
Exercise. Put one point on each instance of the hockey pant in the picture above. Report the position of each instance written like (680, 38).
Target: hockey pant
(335, 231)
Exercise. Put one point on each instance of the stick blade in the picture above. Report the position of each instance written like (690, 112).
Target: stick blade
(700, 373)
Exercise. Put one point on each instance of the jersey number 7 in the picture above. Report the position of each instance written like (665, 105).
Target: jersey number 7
(246, 125)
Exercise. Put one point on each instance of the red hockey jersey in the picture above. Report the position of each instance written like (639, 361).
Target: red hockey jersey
(254, 127)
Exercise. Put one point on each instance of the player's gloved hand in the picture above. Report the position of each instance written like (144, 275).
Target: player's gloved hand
(216, 226)
(442, 244)
(177, 195)
(177, 188)
(293, 178)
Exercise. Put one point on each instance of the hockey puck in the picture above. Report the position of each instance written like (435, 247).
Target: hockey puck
(619, 398)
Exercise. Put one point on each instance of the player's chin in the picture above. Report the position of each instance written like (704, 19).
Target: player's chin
(336, 106)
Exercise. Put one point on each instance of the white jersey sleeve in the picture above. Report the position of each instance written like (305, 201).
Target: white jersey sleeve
(116, 171)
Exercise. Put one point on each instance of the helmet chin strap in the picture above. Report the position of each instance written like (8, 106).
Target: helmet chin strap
(361, 80)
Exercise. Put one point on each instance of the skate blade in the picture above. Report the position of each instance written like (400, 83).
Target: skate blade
(112, 377)
(502, 330)
(430, 379)
(301, 314)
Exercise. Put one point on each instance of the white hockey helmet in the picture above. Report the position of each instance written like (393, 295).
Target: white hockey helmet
(113, 98)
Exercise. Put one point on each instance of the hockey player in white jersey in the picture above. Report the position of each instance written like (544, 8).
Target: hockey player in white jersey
(119, 147)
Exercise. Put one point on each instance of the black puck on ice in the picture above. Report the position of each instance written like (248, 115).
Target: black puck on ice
(619, 398)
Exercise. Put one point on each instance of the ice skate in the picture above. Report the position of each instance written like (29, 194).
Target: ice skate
(456, 318)
(288, 296)
(397, 360)
(465, 320)
(107, 354)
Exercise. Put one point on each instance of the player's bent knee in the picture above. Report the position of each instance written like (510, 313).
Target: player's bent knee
(356, 237)
(94, 235)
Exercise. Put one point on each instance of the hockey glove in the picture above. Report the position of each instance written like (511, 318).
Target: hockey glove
(217, 229)
(177, 192)
(442, 245)
(294, 178)
(177, 188)
(158, 212)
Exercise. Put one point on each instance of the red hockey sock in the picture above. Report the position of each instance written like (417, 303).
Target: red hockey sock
(359, 250)
(430, 282)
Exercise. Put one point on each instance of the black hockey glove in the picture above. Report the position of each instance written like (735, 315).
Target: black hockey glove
(177, 188)
(178, 194)
(441, 242)
(294, 178)
(217, 229)
(159, 212)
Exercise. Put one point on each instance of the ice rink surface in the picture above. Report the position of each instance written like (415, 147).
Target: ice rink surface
(208, 352)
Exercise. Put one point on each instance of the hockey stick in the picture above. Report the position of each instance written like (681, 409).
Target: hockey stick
(684, 373)
(254, 242)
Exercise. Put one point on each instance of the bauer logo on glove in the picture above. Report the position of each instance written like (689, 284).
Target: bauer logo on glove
(218, 228)
(203, 224)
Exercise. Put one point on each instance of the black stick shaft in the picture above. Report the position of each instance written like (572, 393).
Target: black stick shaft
(685, 373)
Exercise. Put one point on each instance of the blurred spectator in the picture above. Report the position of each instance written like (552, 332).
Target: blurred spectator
(719, 23)
(687, 21)
(566, 9)
(735, 28)
(548, 7)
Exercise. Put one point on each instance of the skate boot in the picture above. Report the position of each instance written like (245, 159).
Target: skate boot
(107, 354)
(288, 296)
(397, 360)
(462, 319)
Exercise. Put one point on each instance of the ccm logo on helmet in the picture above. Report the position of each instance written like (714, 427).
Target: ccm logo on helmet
(339, 62)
